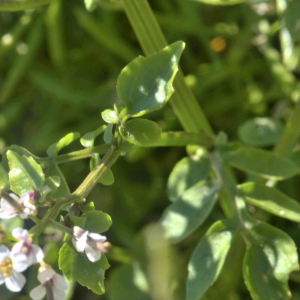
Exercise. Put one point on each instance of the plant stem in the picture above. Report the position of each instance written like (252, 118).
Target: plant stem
(49, 290)
(60, 227)
(16, 205)
(152, 40)
(81, 192)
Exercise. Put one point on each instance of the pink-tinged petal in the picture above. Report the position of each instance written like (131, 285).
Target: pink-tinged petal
(14, 196)
(17, 247)
(92, 254)
(45, 275)
(22, 234)
(2, 278)
(36, 254)
(4, 253)
(38, 293)
(80, 243)
(59, 282)
(58, 294)
(97, 237)
(19, 261)
(6, 210)
(15, 282)
(25, 198)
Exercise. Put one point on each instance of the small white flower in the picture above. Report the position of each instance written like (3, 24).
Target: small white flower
(7, 211)
(34, 253)
(11, 264)
(53, 280)
(91, 243)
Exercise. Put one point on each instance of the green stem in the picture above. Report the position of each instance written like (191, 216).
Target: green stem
(81, 192)
(60, 227)
(152, 40)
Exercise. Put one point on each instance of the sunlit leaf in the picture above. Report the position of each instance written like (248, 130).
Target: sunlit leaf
(269, 259)
(185, 174)
(97, 221)
(25, 174)
(63, 142)
(110, 116)
(108, 135)
(208, 258)
(140, 132)
(260, 132)
(271, 200)
(146, 83)
(190, 210)
(88, 139)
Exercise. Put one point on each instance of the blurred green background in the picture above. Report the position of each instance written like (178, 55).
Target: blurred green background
(58, 70)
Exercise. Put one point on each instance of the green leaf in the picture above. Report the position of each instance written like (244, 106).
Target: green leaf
(191, 209)
(145, 84)
(271, 200)
(77, 267)
(110, 116)
(270, 258)
(140, 132)
(62, 143)
(89, 138)
(260, 162)
(185, 174)
(87, 207)
(77, 221)
(97, 221)
(63, 189)
(222, 2)
(291, 18)
(53, 183)
(108, 177)
(208, 258)
(108, 135)
(25, 174)
(260, 132)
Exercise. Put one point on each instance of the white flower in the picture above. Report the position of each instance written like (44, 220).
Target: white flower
(34, 253)
(91, 243)
(11, 264)
(53, 280)
(7, 211)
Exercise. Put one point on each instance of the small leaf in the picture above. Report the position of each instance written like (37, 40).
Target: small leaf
(77, 221)
(145, 84)
(260, 132)
(222, 2)
(260, 162)
(268, 262)
(271, 200)
(108, 177)
(191, 209)
(77, 267)
(25, 174)
(185, 174)
(97, 221)
(108, 135)
(208, 258)
(89, 138)
(62, 143)
(63, 189)
(118, 108)
(140, 132)
(110, 116)
(87, 207)
(53, 183)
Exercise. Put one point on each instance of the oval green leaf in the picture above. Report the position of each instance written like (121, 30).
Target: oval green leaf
(108, 135)
(260, 162)
(191, 209)
(271, 200)
(110, 116)
(77, 267)
(185, 174)
(97, 221)
(260, 132)
(208, 258)
(145, 84)
(140, 132)
(63, 142)
(89, 138)
(268, 262)
(25, 174)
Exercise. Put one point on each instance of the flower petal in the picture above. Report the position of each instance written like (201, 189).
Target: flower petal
(59, 282)
(97, 237)
(80, 243)
(46, 275)
(15, 282)
(4, 253)
(19, 261)
(20, 233)
(58, 294)
(6, 210)
(14, 196)
(37, 254)
(92, 254)
(38, 292)
(17, 247)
